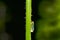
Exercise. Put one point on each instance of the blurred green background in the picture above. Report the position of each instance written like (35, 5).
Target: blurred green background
(47, 21)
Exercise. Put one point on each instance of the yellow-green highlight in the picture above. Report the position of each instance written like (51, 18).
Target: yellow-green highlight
(28, 19)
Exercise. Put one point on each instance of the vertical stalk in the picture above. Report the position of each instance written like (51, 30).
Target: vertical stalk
(28, 19)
